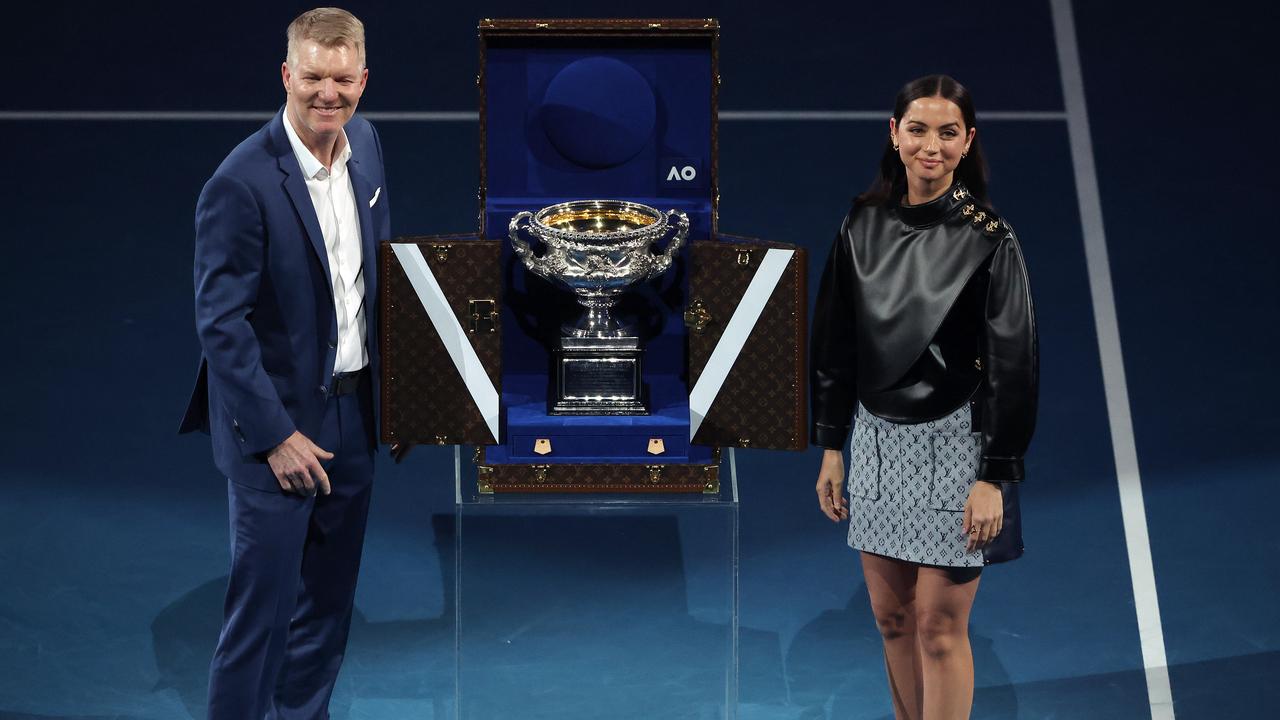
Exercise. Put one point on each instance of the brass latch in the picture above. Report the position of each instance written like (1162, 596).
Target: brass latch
(656, 446)
(744, 442)
(483, 315)
(540, 473)
(441, 252)
(744, 257)
(542, 446)
(697, 316)
(655, 474)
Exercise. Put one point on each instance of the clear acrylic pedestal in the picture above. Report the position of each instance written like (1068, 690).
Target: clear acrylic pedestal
(585, 606)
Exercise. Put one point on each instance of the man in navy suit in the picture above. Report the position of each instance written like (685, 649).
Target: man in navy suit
(285, 289)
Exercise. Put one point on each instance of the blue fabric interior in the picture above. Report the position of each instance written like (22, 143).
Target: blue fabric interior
(592, 99)
(598, 112)
(586, 439)
(596, 120)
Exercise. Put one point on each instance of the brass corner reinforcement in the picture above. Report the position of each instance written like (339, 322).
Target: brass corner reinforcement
(484, 479)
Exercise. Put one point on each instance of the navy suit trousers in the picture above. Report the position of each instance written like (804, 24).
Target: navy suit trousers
(291, 591)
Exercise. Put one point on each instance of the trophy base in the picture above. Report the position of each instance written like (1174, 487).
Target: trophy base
(598, 376)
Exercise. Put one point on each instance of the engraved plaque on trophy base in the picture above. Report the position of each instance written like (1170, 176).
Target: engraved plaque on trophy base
(598, 376)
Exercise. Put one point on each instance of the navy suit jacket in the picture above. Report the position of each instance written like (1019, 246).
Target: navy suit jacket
(264, 302)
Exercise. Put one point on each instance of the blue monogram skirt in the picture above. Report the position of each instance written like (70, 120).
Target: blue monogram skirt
(908, 484)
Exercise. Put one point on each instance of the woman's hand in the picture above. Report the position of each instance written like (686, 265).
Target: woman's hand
(983, 514)
(831, 486)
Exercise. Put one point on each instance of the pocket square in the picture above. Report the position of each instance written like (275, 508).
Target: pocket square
(374, 199)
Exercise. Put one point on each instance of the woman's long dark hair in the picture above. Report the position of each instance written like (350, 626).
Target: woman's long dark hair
(891, 183)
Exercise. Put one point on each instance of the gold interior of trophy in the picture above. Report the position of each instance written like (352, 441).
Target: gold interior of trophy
(598, 220)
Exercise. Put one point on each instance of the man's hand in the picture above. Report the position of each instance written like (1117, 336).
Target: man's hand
(296, 463)
(831, 486)
(983, 514)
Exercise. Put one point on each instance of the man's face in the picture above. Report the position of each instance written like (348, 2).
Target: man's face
(323, 85)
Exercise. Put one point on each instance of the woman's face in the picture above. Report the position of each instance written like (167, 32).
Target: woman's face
(931, 139)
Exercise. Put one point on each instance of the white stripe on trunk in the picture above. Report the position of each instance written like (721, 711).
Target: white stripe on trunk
(451, 332)
(735, 335)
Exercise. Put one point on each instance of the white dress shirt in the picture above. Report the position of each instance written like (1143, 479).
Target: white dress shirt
(335, 205)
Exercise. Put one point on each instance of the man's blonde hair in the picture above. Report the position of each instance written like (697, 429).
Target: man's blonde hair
(328, 27)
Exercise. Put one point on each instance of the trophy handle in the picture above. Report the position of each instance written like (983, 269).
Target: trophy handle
(523, 250)
(664, 260)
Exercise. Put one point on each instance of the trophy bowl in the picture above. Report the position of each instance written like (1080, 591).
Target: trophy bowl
(597, 249)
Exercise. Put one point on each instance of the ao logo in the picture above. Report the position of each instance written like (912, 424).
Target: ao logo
(685, 173)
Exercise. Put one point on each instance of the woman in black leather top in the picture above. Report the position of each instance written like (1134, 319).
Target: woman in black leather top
(924, 336)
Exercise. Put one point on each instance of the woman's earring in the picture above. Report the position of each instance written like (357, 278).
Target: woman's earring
(964, 154)
(895, 146)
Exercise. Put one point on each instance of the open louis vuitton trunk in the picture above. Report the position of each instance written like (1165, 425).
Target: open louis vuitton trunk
(594, 109)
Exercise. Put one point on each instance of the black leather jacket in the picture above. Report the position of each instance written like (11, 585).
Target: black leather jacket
(921, 309)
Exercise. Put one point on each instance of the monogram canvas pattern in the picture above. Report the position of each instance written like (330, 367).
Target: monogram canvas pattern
(762, 401)
(617, 477)
(908, 485)
(424, 399)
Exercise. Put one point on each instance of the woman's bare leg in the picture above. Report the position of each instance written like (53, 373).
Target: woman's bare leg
(943, 599)
(891, 584)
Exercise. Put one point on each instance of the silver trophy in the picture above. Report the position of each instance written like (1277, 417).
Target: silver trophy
(597, 249)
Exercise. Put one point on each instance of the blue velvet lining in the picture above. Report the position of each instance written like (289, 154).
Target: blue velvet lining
(595, 439)
(628, 120)
(529, 101)
(598, 112)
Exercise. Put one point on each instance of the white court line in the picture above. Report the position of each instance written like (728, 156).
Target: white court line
(457, 475)
(1132, 507)
(468, 116)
